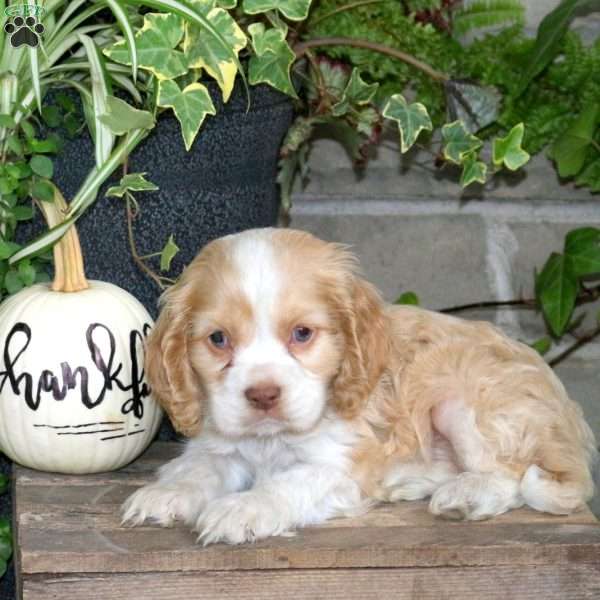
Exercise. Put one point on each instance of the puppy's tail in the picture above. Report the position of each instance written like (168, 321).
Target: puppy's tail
(542, 491)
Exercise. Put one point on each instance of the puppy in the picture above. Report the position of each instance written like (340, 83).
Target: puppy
(307, 398)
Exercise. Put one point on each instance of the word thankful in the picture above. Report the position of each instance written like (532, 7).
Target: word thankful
(23, 385)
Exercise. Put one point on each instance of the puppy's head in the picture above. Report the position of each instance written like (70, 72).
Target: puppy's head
(263, 330)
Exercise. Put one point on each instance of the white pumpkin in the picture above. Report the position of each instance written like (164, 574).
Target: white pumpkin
(73, 395)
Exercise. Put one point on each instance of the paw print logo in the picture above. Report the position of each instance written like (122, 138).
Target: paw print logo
(24, 31)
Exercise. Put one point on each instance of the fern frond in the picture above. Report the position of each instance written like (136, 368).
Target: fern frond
(488, 13)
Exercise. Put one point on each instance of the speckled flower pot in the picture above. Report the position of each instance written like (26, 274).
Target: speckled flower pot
(225, 184)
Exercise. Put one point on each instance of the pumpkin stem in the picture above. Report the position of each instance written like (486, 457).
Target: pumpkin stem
(69, 275)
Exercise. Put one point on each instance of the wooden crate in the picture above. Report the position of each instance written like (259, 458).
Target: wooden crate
(70, 545)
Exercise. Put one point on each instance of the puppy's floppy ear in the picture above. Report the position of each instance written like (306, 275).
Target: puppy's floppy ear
(365, 330)
(167, 364)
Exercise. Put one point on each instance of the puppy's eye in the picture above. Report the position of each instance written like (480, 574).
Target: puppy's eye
(218, 339)
(301, 334)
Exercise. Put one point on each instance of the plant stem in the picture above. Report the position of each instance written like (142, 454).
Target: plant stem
(524, 303)
(344, 8)
(69, 275)
(302, 47)
(134, 253)
(581, 341)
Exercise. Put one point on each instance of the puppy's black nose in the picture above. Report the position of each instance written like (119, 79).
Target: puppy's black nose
(263, 396)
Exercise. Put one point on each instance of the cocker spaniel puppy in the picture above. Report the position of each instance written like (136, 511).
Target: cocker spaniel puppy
(306, 397)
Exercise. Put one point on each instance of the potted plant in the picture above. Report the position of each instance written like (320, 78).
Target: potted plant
(131, 68)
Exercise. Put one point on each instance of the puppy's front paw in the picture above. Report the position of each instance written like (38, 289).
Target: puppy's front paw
(163, 504)
(242, 517)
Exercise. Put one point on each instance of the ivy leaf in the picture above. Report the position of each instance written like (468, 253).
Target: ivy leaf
(273, 59)
(190, 105)
(473, 170)
(458, 142)
(570, 149)
(168, 253)
(582, 249)
(295, 10)
(507, 151)
(547, 43)
(132, 182)
(411, 119)
(121, 117)
(356, 91)
(409, 298)
(474, 105)
(543, 345)
(42, 166)
(155, 43)
(207, 52)
(556, 290)
(590, 176)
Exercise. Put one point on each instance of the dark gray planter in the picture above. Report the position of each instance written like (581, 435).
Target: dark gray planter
(225, 184)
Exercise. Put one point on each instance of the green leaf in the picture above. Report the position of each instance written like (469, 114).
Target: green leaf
(7, 121)
(7, 249)
(207, 52)
(41, 165)
(14, 145)
(570, 149)
(411, 118)
(458, 142)
(49, 145)
(473, 171)
(51, 116)
(295, 10)
(556, 289)
(121, 117)
(168, 253)
(547, 43)
(409, 298)
(542, 345)
(582, 249)
(22, 213)
(4, 482)
(101, 87)
(486, 13)
(42, 190)
(356, 91)
(190, 106)
(590, 176)
(156, 45)
(26, 272)
(133, 182)
(118, 10)
(34, 71)
(13, 284)
(474, 105)
(507, 151)
(28, 129)
(272, 60)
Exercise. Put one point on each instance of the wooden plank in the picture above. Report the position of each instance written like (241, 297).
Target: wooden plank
(566, 582)
(470, 544)
(72, 508)
(138, 472)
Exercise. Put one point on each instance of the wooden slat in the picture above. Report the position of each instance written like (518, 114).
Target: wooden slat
(566, 582)
(471, 544)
